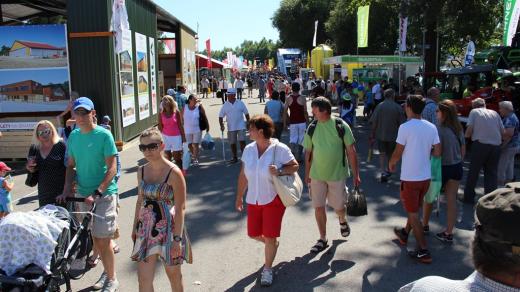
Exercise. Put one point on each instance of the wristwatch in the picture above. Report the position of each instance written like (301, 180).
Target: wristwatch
(177, 238)
(280, 171)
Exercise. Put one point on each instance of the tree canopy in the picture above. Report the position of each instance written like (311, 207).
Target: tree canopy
(452, 20)
(262, 50)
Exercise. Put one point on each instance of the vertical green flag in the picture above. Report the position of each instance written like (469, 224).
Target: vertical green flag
(511, 15)
(362, 26)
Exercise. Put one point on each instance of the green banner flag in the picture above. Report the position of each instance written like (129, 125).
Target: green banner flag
(362, 26)
(511, 15)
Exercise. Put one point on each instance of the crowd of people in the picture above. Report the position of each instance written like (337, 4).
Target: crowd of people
(422, 131)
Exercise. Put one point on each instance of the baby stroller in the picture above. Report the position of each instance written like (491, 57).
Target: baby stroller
(68, 260)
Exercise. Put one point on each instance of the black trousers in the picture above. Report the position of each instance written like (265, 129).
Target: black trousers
(482, 156)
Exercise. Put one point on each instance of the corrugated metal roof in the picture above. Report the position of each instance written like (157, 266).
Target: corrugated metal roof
(35, 45)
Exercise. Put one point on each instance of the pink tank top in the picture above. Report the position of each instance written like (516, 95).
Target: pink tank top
(170, 125)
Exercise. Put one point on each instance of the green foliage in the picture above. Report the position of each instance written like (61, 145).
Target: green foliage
(295, 22)
(454, 19)
(264, 49)
(4, 51)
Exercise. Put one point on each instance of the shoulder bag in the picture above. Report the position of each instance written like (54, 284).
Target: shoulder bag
(203, 120)
(32, 177)
(289, 187)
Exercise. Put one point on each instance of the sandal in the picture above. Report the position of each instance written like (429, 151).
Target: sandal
(344, 229)
(92, 262)
(320, 246)
(116, 248)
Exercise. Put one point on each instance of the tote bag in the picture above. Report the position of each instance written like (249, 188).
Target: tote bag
(289, 187)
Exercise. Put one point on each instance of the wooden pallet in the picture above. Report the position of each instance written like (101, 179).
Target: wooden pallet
(15, 145)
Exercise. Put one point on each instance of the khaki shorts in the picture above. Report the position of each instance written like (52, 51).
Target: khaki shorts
(332, 193)
(234, 136)
(107, 207)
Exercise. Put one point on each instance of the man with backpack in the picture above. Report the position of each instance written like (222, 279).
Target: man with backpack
(328, 144)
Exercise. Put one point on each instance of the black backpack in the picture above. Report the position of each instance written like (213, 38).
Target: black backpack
(339, 128)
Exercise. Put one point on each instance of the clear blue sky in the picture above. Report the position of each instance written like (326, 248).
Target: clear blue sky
(228, 23)
(53, 35)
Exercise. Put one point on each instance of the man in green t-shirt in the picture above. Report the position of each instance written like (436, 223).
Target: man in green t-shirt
(92, 162)
(326, 168)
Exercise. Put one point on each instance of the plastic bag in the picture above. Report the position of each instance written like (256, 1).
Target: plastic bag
(186, 156)
(207, 142)
(436, 182)
(356, 203)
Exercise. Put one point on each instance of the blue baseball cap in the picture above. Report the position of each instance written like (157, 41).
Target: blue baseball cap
(83, 102)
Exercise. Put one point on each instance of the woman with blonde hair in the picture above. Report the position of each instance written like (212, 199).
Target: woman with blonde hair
(46, 163)
(453, 150)
(170, 124)
(158, 229)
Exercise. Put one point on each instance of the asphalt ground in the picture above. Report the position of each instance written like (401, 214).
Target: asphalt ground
(225, 259)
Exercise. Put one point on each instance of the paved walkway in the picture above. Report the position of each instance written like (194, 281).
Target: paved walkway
(227, 260)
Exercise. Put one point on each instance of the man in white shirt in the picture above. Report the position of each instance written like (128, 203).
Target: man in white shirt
(299, 81)
(239, 85)
(234, 110)
(204, 83)
(470, 52)
(223, 86)
(415, 140)
(377, 93)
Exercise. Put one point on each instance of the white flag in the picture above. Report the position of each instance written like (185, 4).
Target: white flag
(403, 26)
(315, 31)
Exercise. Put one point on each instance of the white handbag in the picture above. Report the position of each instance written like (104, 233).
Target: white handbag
(289, 187)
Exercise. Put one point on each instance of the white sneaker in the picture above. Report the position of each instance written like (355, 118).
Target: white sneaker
(267, 277)
(101, 282)
(111, 286)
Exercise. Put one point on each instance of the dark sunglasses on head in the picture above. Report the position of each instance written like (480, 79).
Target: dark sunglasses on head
(45, 132)
(82, 112)
(151, 147)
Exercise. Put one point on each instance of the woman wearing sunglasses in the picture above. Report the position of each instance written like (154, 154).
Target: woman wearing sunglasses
(158, 228)
(46, 163)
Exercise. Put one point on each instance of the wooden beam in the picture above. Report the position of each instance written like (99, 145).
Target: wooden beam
(91, 34)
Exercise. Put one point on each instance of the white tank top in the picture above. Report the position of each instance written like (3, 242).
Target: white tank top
(191, 120)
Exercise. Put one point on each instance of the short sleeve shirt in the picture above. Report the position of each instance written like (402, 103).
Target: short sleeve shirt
(260, 188)
(386, 119)
(430, 112)
(234, 113)
(327, 147)
(181, 100)
(89, 151)
(417, 137)
(509, 122)
(487, 126)
(451, 145)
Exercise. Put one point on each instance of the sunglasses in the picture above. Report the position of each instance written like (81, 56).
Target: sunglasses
(150, 147)
(82, 112)
(45, 132)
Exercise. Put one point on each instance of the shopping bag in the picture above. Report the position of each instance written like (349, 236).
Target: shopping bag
(207, 142)
(186, 156)
(436, 181)
(356, 203)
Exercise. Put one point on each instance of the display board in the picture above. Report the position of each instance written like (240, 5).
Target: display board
(143, 83)
(34, 68)
(126, 67)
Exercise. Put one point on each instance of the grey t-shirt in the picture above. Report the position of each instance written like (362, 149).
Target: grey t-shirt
(487, 126)
(387, 118)
(451, 145)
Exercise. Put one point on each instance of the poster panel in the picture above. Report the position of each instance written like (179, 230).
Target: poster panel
(141, 49)
(126, 67)
(34, 68)
(153, 80)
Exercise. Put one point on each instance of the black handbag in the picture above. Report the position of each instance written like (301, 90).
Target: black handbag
(32, 178)
(356, 203)
(203, 120)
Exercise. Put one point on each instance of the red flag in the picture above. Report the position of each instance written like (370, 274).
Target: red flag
(208, 50)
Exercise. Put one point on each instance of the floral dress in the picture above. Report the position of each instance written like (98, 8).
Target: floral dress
(155, 225)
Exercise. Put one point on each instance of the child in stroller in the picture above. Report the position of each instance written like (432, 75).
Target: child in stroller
(74, 244)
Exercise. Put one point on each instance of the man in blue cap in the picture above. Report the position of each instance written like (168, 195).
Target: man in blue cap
(92, 153)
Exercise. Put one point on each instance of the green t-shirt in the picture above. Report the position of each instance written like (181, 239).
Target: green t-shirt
(326, 146)
(89, 152)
